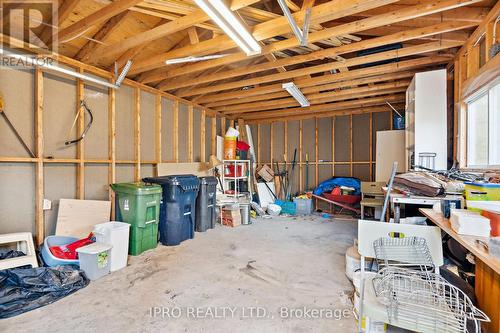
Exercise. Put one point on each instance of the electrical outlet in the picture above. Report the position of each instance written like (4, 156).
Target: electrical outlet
(47, 204)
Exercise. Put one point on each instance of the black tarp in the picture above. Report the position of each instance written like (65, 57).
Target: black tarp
(25, 289)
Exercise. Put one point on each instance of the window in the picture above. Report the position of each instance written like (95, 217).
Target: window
(483, 129)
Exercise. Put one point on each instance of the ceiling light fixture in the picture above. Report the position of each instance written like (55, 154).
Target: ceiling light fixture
(194, 59)
(300, 34)
(218, 11)
(296, 93)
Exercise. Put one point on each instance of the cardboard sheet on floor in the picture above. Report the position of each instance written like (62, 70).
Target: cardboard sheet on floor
(77, 218)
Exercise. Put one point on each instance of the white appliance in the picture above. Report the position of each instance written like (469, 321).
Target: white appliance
(426, 123)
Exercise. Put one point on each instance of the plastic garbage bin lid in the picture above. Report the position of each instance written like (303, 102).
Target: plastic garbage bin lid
(94, 248)
(209, 180)
(137, 188)
(186, 182)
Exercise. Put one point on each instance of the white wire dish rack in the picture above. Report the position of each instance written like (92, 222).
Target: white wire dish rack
(425, 301)
(413, 292)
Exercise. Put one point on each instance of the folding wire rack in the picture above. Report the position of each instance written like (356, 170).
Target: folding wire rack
(409, 252)
(426, 301)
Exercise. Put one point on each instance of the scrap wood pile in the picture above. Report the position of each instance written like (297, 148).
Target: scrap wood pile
(426, 183)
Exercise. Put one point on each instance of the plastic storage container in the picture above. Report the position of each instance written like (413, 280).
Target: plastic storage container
(480, 191)
(177, 211)
(47, 256)
(205, 204)
(117, 235)
(138, 204)
(303, 206)
(95, 259)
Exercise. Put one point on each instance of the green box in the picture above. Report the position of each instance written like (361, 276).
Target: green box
(139, 205)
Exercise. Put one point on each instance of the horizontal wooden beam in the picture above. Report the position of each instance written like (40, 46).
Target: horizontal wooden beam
(316, 98)
(393, 54)
(327, 107)
(402, 36)
(328, 78)
(330, 10)
(97, 17)
(390, 17)
(317, 89)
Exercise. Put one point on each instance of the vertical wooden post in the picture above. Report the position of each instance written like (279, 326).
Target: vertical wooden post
(202, 135)
(301, 180)
(285, 141)
(112, 147)
(137, 133)
(333, 146)
(258, 144)
(350, 144)
(80, 147)
(316, 151)
(190, 133)
(223, 126)
(214, 136)
(39, 186)
(176, 131)
(371, 146)
(158, 123)
(271, 126)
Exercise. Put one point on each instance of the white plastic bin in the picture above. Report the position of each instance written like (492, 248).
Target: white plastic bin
(95, 259)
(117, 235)
(304, 206)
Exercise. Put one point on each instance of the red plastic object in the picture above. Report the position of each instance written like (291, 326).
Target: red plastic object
(494, 222)
(242, 146)
(337, 191)
(348, 199)
(68, 251)
(230, 171)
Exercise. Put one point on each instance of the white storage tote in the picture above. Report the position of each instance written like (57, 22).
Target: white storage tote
(94, 259)
(117, 235)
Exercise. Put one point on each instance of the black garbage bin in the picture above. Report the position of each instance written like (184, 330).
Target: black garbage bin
(205, 204)
(178, 207)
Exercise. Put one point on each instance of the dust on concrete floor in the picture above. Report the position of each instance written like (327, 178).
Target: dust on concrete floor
(290, 263)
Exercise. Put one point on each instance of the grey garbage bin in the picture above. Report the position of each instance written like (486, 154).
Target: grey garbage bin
(205, 204)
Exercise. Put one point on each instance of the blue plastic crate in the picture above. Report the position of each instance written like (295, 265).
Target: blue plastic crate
(287, 207)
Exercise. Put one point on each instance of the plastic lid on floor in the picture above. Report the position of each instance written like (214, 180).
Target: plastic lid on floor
(94, 248)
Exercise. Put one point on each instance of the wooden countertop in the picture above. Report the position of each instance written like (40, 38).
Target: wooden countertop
(469, 242)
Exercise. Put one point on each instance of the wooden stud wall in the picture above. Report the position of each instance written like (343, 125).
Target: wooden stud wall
(111, 162)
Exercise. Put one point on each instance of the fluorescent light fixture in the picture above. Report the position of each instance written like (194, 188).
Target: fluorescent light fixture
(123, 74)
(296, 93)
(229, 23)
(194, 59)
(33, 61)
(300, 34)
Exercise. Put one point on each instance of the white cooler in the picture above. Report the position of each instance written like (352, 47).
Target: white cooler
(116, 234)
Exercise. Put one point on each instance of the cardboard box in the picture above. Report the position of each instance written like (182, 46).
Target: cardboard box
(231, 218)
(266, 173)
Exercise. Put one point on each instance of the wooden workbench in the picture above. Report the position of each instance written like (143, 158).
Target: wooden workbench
(487, 281)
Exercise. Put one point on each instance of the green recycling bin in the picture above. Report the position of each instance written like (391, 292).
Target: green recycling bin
(139, 205)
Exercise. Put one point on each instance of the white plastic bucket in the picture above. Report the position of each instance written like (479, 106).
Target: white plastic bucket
(273, 210)
(117, 235)
(94, 259)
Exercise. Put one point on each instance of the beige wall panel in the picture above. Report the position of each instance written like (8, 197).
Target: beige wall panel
(308, 141)
(381, 122)
(361, 137)
(279, 141)
(208, 137)
(124, 173)
(59, 110)
(125, 123)
(312, 176)
(147, 126)
(96, 182)
(16, 87)
(342, 139)
(342, 170)
(167, 132)
(96, 140)
(324, 173)
(196, 135)
(147, 170)
(361, 171)
(17, 197)
(265, 143)
(183, 132)
(60, 183)
(325, 139)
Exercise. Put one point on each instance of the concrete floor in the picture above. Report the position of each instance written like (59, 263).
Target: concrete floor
(250, 272)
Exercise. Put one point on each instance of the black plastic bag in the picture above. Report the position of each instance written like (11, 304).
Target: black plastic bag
(25, 289)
